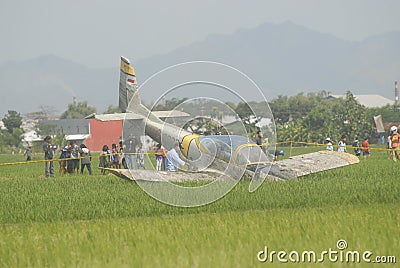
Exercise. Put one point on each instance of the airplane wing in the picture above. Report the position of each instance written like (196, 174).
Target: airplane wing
(305, 164)
(162, 176)
(291, 168)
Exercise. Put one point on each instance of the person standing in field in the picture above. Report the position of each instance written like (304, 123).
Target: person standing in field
(140, 157)
(395, 140)
(28, 153)
(122, 160)
(356, 146)
(329, 146)
(342, 144)
(49, 150)
(115, 156)
(104, 159)
(389, 145)
(65, 153)
(159, 157)
(130, 150)
(75, 155)
(86, 157)
(260, 141)
(365, 149)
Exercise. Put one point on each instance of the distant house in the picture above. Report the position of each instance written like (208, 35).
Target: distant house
(368, 100)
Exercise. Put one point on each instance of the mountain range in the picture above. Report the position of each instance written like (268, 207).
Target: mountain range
(283, 59)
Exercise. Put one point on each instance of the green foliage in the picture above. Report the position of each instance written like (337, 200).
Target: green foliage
(113, 110)
(389, 113)
(12, 136)
(12, 120)
(247, 116)
(169, 104)
(313, 118)
(57, 137)
(78, 111)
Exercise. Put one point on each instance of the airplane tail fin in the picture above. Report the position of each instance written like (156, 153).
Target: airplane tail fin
(128, 87)
(129, 99)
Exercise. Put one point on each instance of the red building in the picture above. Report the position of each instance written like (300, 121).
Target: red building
(103, 132)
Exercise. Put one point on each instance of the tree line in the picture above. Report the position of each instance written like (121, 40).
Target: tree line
(310, 117)
(314, 117)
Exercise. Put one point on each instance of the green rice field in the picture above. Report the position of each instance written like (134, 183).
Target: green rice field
(104, 221)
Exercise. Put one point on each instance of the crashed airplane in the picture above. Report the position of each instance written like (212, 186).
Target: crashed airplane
(230, 156)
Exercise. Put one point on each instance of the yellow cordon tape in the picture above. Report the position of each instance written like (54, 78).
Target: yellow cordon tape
(334, 145)
(61, 159)
(244, 145)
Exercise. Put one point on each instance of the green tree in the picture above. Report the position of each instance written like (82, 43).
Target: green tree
(12, 120)
(11, 139)
(12, 136)
(246, 114)
(356, 120)
(113, 110)
(325, 118)
(78, 111)
(169, 104)
(389, 113)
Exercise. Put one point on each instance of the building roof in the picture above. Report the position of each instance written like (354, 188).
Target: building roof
(169, 114)
(114, 117)
(134, 116)
(370, 100)
(68, 126)
(75, 137)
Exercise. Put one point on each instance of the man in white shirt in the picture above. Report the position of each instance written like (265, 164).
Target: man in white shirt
(342, 145)
(173, 161)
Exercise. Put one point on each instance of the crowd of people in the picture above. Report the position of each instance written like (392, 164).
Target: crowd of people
(74, 158)
(393, 145)
(357, 147)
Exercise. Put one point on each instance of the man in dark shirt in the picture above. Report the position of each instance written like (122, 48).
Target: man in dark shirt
(49, 155)
(260, 140)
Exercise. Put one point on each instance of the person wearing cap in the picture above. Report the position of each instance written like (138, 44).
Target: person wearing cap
(173, 161)
(395, 141)
(329, 146)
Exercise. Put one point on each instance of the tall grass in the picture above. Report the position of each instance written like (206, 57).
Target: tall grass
(27, 198)
(102, 220)
(228, 239)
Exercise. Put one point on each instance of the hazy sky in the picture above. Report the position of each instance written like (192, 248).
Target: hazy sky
(96, 33)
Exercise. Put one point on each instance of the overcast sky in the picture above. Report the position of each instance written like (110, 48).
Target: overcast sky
(96, 33)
